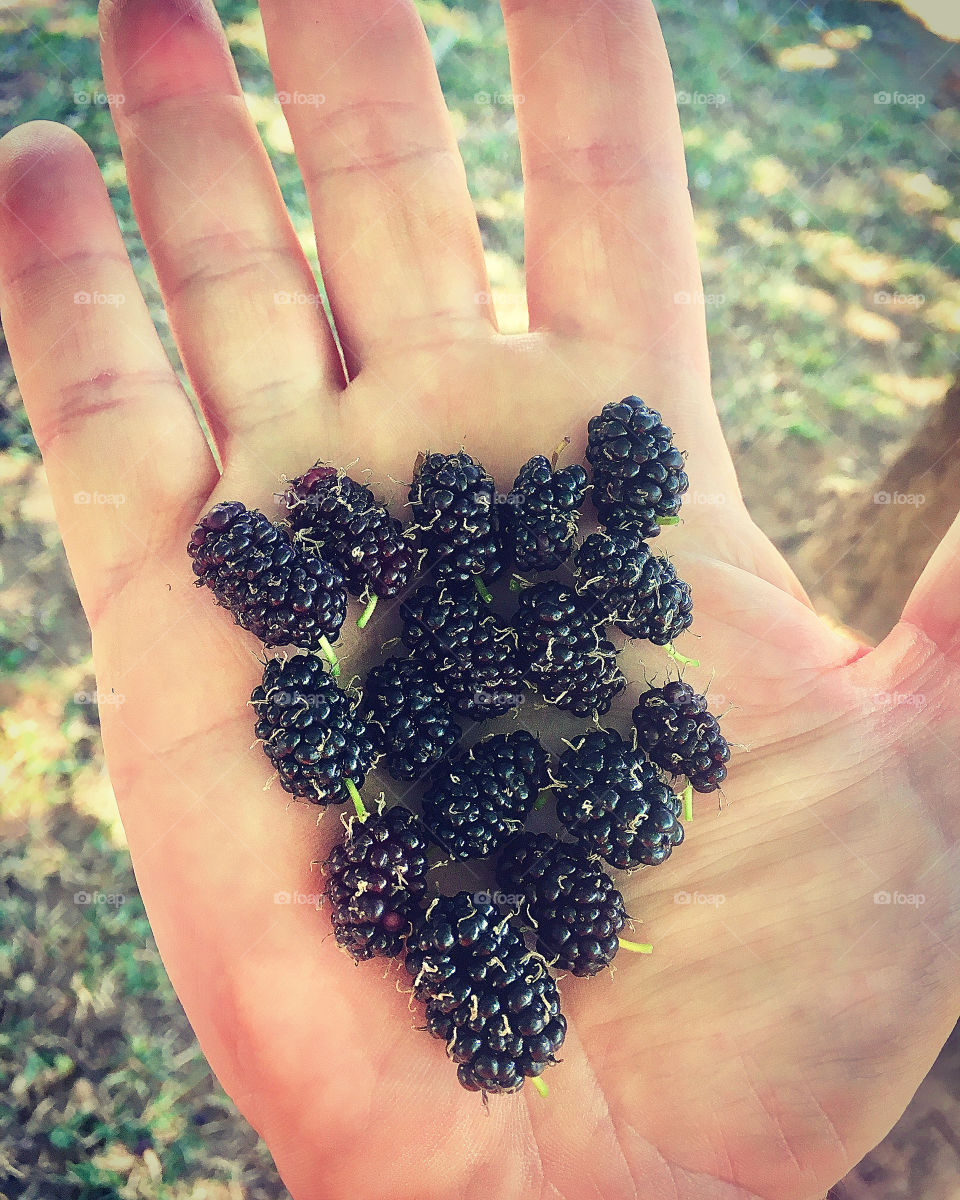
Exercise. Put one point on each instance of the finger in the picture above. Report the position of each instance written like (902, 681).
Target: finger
(934, 603)
(609, 235)
(610, 249)
(396, 231)
(241, 296)
(120, 441)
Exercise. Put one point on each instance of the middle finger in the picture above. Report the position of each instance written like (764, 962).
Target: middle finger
(240, 294)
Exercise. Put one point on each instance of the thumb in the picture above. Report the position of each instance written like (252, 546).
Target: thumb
(934, 603)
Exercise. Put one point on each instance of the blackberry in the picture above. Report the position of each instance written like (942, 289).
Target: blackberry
(638, 473)
(282, 595)
(407, 717)
(471, 655)
(455, 517)
(542, 512)
(491, 999)
(337, 518)
(639, 591)
(310, 730)
(563, 650)
(481, 798)
(569, 900)
(615, 803)
(678, 734)
(375, 880)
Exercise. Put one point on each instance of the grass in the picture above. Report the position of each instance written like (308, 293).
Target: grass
(830, 247)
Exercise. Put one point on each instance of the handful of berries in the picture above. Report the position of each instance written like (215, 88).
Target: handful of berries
(492, 998)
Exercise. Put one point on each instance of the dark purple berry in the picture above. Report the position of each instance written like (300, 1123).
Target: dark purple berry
(275, 591)
(310, 730)
(615, 803)
(638, 473)
(678, 734)
(375, 880)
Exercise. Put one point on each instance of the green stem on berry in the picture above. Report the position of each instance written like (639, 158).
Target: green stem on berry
(367, 612)
(681, 658)
(688, 802)
(356, 798)
(555, 457)
(540, 801)
(482, 590)
(539, 1084)
(327, 650)
(636, 947)
(518, 583)
(668, 520)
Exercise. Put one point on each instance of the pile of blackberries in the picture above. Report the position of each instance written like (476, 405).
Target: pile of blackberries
(490, 997)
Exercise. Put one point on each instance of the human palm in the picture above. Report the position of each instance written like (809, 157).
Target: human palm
(785, 1016)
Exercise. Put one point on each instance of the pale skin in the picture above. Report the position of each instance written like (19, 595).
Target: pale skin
(772, 1037)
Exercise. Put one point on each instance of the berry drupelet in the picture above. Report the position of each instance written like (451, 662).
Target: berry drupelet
(615, 803)
(310, 730)
(541, 514)
(376, 878)
(472, 656)
(478, 800)
(677, 733)
(282, 595)
(568, 899)
(563, 650)
(638, 590)
(456, 518)
(638, 473)
(491, 999)
(407, 717)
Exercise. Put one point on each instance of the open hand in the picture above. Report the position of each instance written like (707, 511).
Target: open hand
(786, 1015)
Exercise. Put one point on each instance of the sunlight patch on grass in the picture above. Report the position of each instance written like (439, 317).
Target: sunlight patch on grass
(768, 176)
(268, 114)
(870, 326)
(915, 391)
(839, 254)
(810, 56)
(114, 171)
(848, 38)
(78, 25)
(797, 296)
(918, 192)
(249, 33)
(945, 314)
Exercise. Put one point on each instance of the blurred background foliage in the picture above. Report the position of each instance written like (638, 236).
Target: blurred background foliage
(822, 143)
